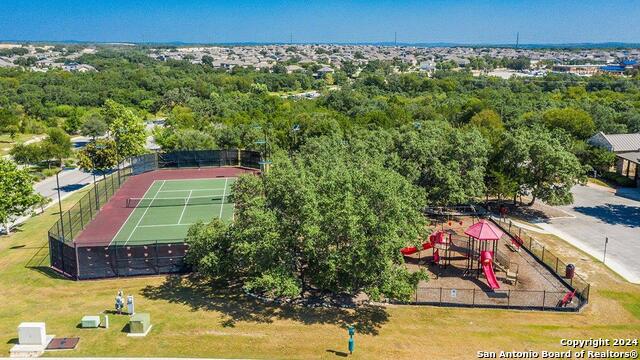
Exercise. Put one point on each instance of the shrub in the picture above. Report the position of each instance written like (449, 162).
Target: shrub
(618, 179)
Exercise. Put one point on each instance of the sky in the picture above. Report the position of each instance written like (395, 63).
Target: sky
(328, 21)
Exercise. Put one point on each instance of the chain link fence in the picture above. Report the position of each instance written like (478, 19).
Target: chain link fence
(90, 261)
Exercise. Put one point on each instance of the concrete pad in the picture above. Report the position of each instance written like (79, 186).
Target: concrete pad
(599, 214)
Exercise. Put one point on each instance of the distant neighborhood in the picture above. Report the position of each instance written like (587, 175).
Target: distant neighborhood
(324, 59)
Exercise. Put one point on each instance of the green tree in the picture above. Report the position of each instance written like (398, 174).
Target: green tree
(99, 155)
(18, 196)
(325, 220)
(449, 163)
(94, 127)
(576, 122)
(182, 117)
(490, 125)
(126, 129)
(541, 165)
(185, 140)
(27, 154)
(57, 144)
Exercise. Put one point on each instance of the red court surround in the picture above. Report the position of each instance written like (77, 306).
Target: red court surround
(115, 212)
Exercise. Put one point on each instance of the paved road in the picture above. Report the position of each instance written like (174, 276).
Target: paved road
(598, 213)
(70, 180)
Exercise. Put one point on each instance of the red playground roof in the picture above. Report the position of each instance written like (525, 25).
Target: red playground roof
(484, 230)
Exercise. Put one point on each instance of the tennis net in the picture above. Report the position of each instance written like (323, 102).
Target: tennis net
(176, 201)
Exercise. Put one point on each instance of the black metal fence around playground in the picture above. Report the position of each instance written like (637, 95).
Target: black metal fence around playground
(513, 299)
(545, 257)
(544, 300)
(90, 261)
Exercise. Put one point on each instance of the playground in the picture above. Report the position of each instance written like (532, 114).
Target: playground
(473, 262)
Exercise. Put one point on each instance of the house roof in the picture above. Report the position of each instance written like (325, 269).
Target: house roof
(620, 142)
(631, 156)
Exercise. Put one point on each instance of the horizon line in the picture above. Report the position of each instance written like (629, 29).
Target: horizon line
(610, 44)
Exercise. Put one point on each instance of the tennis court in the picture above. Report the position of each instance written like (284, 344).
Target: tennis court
(168, 207)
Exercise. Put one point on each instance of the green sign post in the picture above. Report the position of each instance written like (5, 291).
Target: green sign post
(352, 344)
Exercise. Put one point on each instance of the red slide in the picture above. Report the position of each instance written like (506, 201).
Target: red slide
(412, 249)
(487, 267)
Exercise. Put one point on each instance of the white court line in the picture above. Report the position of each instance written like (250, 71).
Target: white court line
(143, 214)
(220, 178)
(185, 206)
(162, 225)
(224, 193)
(126, 221)
(164, 191)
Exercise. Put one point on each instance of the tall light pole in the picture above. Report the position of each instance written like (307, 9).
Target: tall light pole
(60, 202)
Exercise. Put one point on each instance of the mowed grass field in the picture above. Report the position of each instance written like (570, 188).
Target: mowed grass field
(201, 320)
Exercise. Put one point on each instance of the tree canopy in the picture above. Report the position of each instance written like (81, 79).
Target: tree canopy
(18, 196)
(323, 220)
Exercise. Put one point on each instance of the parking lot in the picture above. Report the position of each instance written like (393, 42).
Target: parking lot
(598, 214)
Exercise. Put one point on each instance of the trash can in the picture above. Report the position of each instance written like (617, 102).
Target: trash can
(570, 271)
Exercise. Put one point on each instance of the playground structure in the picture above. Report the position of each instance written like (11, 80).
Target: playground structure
(482, 245)
(479, 251)
(477, 262)
(437, 241)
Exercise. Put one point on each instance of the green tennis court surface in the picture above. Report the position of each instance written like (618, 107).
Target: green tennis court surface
(169, 207)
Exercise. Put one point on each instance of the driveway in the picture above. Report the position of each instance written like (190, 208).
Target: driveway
(597, 213)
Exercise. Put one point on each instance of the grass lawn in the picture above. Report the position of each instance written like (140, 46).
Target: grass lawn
(6, 142)
(197, 319)
(600, 182)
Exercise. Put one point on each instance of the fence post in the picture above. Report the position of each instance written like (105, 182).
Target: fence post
(588, 291)
(544, 298)
(543, 251)
(88, 195)
(81, 216)
(75, 248)
(557, 259)
(157, 256)
(70, 226)
(416, 293)
(115, 259)
(95, 193)
(509, 298)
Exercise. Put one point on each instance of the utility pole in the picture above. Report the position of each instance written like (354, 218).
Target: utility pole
(59, 204)
(517, 39)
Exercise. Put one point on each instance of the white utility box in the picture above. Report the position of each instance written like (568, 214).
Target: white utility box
(32, 333)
